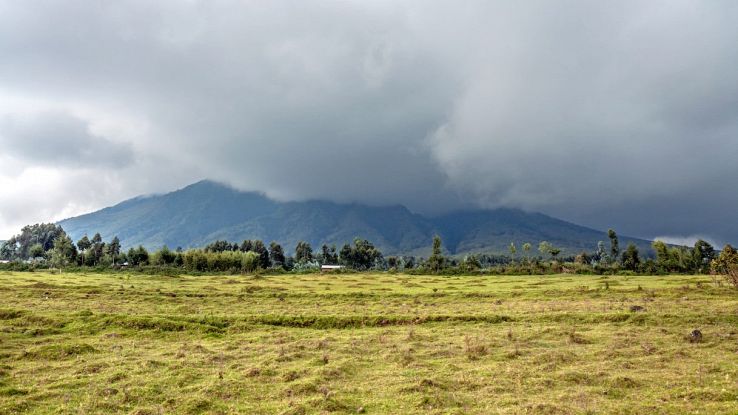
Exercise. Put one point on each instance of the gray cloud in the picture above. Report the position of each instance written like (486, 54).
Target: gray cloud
(610, 114)
(60, 139)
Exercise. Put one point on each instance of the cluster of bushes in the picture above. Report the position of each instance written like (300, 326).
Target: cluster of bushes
(231, 261)
(46, 245)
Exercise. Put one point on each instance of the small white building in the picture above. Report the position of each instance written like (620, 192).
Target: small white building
(329, 268)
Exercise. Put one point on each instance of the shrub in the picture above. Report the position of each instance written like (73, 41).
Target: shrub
(731, 274)
(727, 264)
(249, 261)
(195, 260)
(306, 266)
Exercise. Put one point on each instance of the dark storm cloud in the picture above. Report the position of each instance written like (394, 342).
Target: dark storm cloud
(609, 113)
(60, 139)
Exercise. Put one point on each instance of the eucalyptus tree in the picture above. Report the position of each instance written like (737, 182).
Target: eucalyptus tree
(63, 253)
(303, 252)
(113, 249)
(614, 245)
(437, 261)
(631, 259)
(276, 254)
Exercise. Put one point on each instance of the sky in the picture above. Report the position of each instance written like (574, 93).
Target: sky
(617, 113)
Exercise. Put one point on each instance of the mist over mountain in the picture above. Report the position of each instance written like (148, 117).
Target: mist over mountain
(206, 211)
(616, 116)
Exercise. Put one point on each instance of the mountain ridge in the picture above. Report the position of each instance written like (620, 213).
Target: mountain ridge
(202, 212)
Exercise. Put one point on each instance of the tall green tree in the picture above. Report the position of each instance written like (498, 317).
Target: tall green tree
(328, 255)
(614, 245)
(555, 252)
(663, 259)
(97, 250)
(36, 251)
(513, 250)
(544, 248)
(218, 246)
(471, 263)
(276, 254)
(138, 256)
(113, 249)
(43, 234)
(703, 254)
(437, 261)
(526, 249)
(727, 259)
(601, 254)
(164, 256)
(346, 255)
(83, 245)
(8, 250)
(631, 259)
(362, 256)
(63, 253)
(259, 247)
(303, 252)
(246, 246)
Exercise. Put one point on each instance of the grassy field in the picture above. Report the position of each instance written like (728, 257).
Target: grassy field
(366, 343)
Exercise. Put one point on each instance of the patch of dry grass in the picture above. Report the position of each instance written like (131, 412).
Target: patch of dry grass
(371, 343)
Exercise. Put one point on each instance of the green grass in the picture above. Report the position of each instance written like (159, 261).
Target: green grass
(371, 343)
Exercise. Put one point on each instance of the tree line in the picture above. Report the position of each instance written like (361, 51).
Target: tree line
(49, 245)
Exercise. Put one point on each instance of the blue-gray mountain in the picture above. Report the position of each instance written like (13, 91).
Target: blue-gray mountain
(207, 211)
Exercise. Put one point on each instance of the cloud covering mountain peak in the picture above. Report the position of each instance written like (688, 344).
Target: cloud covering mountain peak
(608, 114)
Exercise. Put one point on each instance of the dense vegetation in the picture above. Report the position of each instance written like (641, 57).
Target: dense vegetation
(47, 245)
(374, 343)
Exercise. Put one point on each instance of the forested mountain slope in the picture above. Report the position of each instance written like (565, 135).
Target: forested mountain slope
(207, 211)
